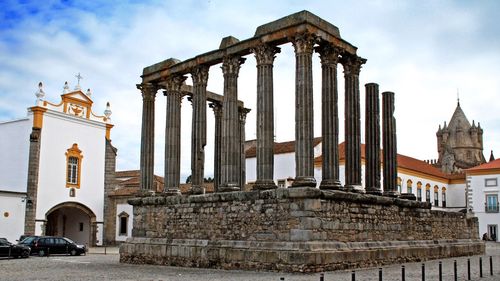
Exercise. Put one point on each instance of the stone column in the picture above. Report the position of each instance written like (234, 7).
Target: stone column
(173, 134)
(329, 56)
(304, 116)
(217, 108)
(372, 140)
(243, 115)
(352, 66)
(265, 54)
(199, 129)
(32, 184)
(230, 174)
(147, 136)
(389, 145)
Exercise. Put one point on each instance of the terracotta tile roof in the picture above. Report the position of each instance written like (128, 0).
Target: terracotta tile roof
(128, 183)
(279, 147)
(127, 174)
(495, 164)
(403, 162)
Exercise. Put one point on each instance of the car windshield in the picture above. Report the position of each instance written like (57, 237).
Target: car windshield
(27, 240)
(69, 240)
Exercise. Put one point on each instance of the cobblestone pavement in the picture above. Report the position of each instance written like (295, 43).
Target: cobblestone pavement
(97, 266)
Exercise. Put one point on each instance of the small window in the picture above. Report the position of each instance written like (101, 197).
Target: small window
(443, 197)
(490, 182)
(491, 203)
(281, 183)
(436, 198)
(123, 225)
(81, 226)
(419, 194)
(74, 164)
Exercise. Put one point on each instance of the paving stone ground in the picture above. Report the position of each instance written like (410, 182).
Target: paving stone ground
(98, 266)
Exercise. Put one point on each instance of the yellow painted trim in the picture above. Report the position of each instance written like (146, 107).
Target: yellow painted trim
(67, 99)
(45, 103)
(38, 116)
(74, 151)
(428, 187)
(108, 131)
(484, 172)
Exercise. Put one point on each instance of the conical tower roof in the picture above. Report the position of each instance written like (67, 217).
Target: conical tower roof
(459, 120)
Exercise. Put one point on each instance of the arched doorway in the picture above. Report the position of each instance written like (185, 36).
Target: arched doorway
(72, 220)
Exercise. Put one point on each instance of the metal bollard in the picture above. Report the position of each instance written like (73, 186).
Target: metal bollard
(380, 274)
(481, 267)
(491, 265)
(321, 277)
(423, 272)
(455, 270)
(468, 269)
(440, 271)
(353, 275)
(403, 277)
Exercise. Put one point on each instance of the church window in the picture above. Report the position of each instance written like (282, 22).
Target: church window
(443, 196)
(123, 226)
(419, 191)
(428, 193)
(436, 196)
(74, 164)
(409, 186)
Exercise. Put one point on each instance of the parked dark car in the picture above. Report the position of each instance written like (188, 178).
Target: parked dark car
(27, 240)
(8, 249)
(52, 245)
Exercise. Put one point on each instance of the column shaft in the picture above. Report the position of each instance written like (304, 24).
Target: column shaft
(352, 66)
(199, 129)
(304, 115)
(389, 144)
(217, 108)
(372, 140)
(329, 117)
(230, 174)
(147, 137)
(243, 115)
(265, 55)
(173, 135)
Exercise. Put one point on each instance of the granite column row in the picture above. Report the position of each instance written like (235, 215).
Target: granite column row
(389, 144)
(147, 136)
(372, 140)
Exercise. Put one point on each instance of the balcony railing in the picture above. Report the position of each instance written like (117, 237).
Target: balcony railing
(488, 208)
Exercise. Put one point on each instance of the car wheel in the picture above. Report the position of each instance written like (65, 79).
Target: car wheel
(26, 254)
(73, 252)
(41, 253)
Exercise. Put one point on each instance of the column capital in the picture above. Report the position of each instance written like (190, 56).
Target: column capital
(231, 65)
(173, 84)
(303, 43)
(217, 108)
(329, 54)
(148, 90)
(265, 54)
(243, 113)
(199, 74)
(352, 64)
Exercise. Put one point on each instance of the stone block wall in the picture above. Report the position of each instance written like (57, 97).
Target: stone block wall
(299, 229)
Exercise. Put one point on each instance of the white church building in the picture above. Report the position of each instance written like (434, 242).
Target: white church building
(53, 169)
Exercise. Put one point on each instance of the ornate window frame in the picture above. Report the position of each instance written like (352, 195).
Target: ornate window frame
(73, 153)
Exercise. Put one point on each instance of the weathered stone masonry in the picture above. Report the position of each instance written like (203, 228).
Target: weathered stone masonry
(302, 229)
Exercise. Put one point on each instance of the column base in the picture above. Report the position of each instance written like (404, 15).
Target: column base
(391, 193)
(352, 188)
(373, 191)
(408, 196)
(264, 185)
(330, 185)
(172, 191)
(229, 187)
(197, 189)
(145, 192)
(304, 181)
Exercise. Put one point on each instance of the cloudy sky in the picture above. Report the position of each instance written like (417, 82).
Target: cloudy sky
(424, 51)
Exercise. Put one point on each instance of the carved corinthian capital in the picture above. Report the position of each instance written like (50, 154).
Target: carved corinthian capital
(231, 65)
(304, 43)
(265, 54)
(352, 64)
(148, 91)
(329, 54)
(173, 84)
(199, 74)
